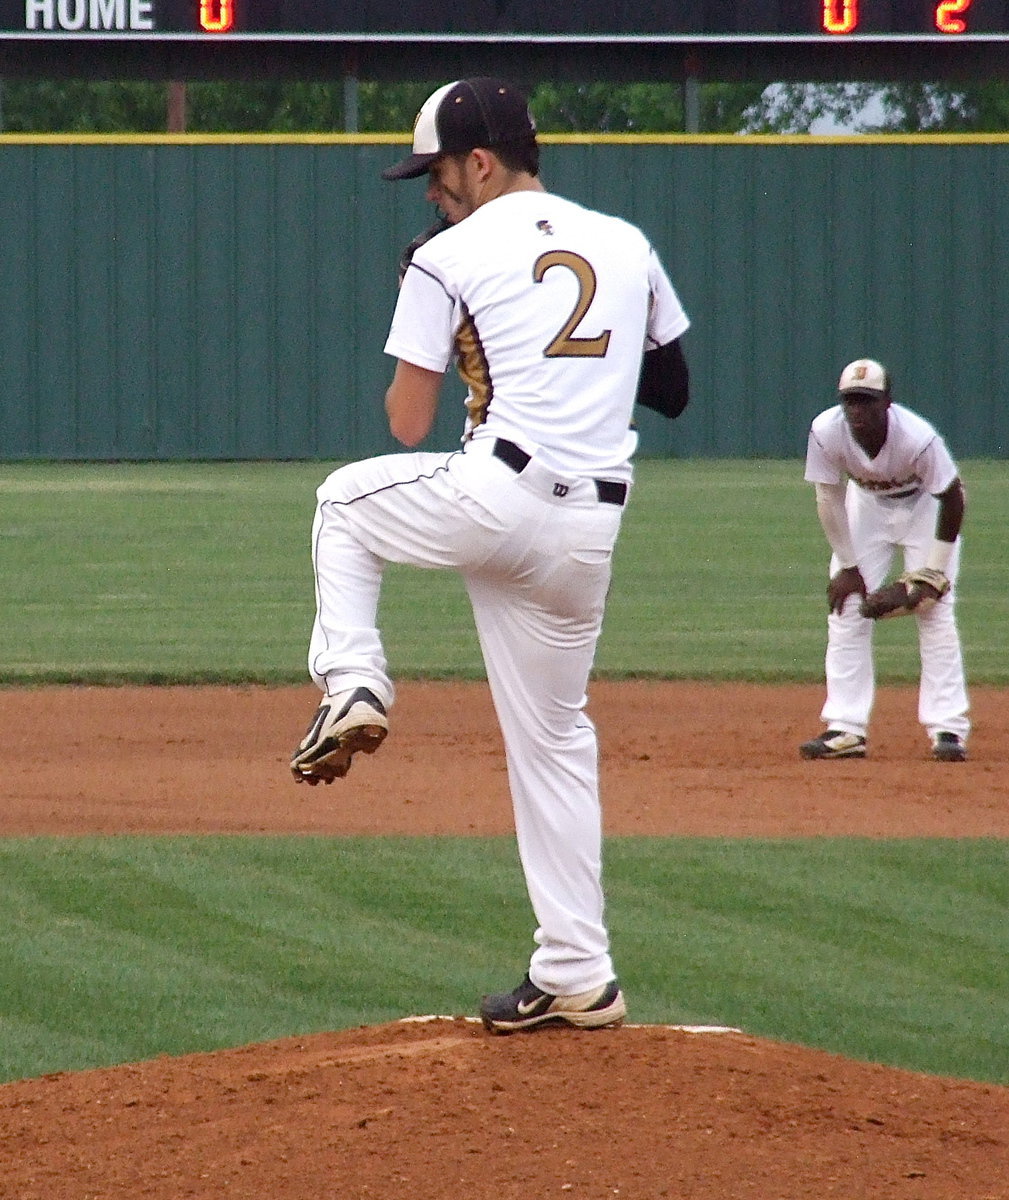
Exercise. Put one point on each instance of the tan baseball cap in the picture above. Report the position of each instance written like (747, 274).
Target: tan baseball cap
(864, 375)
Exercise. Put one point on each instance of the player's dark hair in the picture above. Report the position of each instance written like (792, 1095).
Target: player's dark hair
(520, 155)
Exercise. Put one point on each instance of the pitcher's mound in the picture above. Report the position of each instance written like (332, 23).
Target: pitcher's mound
(440, 1110)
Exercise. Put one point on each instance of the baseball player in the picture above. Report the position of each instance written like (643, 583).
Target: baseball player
(885, 482)
(559, 319)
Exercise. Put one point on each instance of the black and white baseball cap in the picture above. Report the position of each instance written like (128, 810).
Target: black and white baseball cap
(864, 375)
(461, 116)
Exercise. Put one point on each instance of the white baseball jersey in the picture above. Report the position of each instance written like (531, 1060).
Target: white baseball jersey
(547, 307)
(914, 458)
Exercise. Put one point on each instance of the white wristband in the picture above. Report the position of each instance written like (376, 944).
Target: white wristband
(939, 556)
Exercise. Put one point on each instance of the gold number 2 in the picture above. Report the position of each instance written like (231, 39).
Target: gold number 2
(564, 345)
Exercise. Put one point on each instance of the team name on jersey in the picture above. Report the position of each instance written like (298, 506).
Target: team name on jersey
(887, 485)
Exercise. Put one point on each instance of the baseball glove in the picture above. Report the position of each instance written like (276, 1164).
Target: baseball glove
(914, 592)
(406, 258)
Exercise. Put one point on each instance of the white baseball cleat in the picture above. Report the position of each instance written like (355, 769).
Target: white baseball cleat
(344, 725)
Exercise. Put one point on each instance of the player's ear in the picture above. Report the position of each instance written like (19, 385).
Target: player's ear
(485, 161)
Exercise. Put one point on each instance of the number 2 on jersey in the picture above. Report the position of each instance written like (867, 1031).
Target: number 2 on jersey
(565, 345)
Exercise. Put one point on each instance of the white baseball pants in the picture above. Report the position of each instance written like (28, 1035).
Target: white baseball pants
(535, 552)
(879, 529)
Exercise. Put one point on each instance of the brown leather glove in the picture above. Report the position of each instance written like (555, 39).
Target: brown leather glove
(914, 592)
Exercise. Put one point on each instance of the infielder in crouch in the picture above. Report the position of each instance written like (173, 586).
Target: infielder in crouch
(885, 482)
(559, 318)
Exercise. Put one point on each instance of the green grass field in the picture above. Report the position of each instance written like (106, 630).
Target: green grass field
(119, 949)
(123, 948)
(182, 572)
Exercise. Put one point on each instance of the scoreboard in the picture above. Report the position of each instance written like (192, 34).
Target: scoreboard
(583, 40)
(497, 20)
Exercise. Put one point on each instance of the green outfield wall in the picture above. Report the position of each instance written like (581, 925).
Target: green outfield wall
(228, 297)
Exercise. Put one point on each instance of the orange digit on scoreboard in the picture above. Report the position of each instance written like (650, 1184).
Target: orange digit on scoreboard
(946, 18)
(217, 16)
(840, 16)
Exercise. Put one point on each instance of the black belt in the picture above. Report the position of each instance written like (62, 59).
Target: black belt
(901, 495)
(608, 490)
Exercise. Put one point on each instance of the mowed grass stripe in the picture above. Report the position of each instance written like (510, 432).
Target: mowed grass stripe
(116, 950)
(200, 572)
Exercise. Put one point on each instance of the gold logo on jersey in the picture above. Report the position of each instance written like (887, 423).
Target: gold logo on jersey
(471, 363)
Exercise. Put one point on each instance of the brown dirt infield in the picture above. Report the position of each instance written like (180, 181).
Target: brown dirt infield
(427, 1111)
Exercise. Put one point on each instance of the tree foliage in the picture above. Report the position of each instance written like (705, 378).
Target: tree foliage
(82, 106)
(929, 108)
(638, 107)
(79, 106)
(975, 107)
(76, 106)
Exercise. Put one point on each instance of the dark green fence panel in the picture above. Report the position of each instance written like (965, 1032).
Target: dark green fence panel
(175, 298)
(795, 256)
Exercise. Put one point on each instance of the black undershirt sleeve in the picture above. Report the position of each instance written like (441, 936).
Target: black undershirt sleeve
(664, 385)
